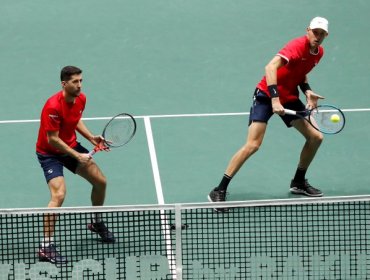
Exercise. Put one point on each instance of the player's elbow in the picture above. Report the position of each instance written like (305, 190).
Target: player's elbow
(270, 71)
(51, 140)
(52, 137)
(267, 69)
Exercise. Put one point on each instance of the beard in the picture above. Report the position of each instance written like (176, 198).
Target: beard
(74, 92)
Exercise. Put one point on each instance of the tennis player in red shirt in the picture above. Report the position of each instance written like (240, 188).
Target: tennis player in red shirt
(277, 90)
(57, 147)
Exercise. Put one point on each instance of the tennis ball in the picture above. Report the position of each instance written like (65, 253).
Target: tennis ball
(335, 118)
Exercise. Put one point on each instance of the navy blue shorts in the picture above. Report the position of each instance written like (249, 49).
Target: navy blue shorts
(261, 110)
(53, 164)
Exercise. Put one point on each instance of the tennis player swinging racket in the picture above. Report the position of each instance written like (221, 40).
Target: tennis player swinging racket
(327, 119)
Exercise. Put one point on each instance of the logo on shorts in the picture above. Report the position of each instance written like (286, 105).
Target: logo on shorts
(50, 171)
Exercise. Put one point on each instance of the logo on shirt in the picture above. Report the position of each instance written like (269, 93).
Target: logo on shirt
(53, 116)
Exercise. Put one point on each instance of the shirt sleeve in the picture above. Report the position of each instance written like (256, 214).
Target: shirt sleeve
(51, 119)
(289, 52)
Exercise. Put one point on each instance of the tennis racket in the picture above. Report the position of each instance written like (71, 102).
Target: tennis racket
(325, 118)
(117, 132)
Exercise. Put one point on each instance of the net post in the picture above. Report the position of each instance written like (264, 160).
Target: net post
(178, 224)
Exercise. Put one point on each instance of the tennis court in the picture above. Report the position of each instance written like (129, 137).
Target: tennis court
(186, 70)
(164, 59)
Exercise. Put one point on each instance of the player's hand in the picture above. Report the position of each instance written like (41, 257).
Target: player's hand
(277, 108)
(98, 141)
(83, 158)
(312, 99)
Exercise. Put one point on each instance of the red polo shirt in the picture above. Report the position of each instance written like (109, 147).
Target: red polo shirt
(58, 115)
(299, 62)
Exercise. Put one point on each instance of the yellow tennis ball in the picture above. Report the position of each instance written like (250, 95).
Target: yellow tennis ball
(335, 118)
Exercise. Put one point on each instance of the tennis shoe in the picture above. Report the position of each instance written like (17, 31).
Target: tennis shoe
(218, 196)
(50, 254)
(101, 229)
(304, 188)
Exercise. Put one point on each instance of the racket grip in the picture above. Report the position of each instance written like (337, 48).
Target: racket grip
(290, 112)
(92, 152)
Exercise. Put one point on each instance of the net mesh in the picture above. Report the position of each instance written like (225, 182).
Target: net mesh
(318, 240)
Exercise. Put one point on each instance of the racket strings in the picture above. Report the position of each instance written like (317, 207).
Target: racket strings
(119, 131)
(323, 120)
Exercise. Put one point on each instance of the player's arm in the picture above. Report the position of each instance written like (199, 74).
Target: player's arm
(55, 141)
(271, 79)
(85, 132)
(312, 98)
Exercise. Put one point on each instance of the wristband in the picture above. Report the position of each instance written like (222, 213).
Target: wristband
(273, 91)
(304, 87)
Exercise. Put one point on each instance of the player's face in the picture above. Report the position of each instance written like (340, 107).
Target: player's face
(73, 86)
(316, 37)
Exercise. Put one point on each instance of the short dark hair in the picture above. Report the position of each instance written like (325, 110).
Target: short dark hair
(68, 71)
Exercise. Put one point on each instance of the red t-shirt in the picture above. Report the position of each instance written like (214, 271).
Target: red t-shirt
(58, 115)
(299, 62)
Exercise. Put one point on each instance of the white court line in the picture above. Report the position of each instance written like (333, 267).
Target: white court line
(154, 161)
(172, 116)
(142, 117)
(158, 186)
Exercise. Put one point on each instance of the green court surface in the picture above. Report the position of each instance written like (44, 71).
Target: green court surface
(159, 60)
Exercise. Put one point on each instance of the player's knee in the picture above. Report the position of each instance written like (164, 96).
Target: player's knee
(57, 191)
(251, 148)
(104, 181)
(58, 197)
(101, 182)
(317, 139)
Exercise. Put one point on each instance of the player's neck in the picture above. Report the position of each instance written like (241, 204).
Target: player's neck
(314, 50)
(68, 98)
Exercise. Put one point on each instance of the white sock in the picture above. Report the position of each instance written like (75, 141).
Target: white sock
(46, 241)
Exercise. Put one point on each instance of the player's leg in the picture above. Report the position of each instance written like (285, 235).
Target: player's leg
(92, 173)
(255, 136)
(53, 172)
(89, 171)
(57, 194)
(260, 113)
(256, 133)
(314, 138)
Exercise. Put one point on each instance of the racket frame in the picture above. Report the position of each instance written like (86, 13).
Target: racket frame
(107, 143)
(123, 115)
(306, 115)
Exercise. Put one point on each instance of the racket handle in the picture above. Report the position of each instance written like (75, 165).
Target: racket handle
(290, 112)
(93, 152)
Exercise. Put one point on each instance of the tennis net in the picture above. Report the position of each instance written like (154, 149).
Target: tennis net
(325, 238)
